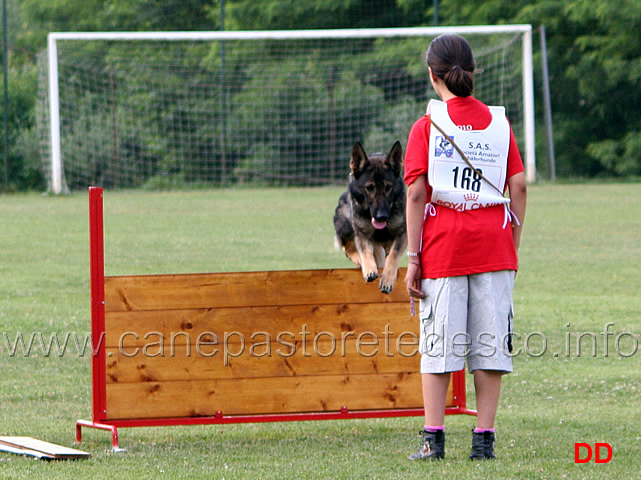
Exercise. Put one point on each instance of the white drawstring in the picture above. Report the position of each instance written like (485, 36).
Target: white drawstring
(510, 217)
(429, 210)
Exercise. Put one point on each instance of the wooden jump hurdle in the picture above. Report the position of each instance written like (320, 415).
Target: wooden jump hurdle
(271, 346)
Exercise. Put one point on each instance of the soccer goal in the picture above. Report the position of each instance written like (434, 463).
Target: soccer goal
(189, 109)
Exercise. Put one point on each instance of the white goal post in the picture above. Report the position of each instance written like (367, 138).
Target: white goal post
(55, 158)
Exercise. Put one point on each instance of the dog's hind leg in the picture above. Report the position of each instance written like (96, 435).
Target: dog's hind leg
(368, 261)
(390, 272)
(352, 253)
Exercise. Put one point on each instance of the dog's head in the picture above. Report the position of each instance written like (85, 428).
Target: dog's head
(376, 181)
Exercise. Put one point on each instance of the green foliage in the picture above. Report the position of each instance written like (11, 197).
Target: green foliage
(394, 124)
(593, 50)
(305, 14)
(608, 76)
(176, 15)
(487, 12)
(23, 155)
(317, 102)
(621, 156)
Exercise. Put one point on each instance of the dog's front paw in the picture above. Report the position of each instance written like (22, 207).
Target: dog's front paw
(387, 281)
(370, 275)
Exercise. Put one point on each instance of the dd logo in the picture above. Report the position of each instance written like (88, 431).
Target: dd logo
(587, 452)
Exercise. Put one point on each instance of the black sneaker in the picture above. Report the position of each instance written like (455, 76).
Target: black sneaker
(482, 446)
(433, 447)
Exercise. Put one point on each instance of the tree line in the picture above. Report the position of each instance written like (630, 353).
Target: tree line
(593, 54)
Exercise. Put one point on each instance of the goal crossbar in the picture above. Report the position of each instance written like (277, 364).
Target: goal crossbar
(291, 34)
(57, 183)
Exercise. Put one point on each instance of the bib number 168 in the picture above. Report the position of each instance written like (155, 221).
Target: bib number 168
(467, 179)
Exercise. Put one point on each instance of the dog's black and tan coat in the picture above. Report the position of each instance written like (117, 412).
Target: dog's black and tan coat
(370, 216)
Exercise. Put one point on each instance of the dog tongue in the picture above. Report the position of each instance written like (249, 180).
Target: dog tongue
(378, 225)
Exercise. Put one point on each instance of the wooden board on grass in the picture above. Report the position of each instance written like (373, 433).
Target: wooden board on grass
(40, 449)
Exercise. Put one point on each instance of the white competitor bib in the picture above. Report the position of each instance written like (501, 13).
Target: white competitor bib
(454, 183)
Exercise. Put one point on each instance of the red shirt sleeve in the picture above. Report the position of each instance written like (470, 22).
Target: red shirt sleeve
(514, 161)
(416, 152)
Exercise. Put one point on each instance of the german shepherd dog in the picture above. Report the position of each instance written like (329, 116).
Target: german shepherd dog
(370, 216)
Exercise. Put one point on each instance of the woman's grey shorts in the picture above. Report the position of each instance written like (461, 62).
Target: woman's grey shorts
(467, 318)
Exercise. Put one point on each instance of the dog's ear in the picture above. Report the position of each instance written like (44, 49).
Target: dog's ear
(395, 158)
(359, 160)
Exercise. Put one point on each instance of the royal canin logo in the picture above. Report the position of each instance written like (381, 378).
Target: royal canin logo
(470, 197)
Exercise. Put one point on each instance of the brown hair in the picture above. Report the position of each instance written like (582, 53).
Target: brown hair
(450, 58)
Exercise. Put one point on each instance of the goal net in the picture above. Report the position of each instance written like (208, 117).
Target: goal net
(190, 109)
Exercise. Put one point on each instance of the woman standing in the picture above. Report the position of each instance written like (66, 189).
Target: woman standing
(462, 242)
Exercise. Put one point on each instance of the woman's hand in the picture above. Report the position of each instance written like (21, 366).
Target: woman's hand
(413, 280)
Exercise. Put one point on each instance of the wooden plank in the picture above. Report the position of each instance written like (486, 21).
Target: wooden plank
(271, 288)
(186, 363)
(41, 449)
(25, 451)
(179, 327)
(263, 396)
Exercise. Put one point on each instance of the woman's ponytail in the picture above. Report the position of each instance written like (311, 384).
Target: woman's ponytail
(450, 58)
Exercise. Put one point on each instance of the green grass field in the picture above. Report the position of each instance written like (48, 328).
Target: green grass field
(580, 269)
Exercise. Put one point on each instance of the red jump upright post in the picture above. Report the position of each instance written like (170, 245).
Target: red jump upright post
(97, 273)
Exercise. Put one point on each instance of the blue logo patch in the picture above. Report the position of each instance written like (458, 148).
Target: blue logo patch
(443, 147)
